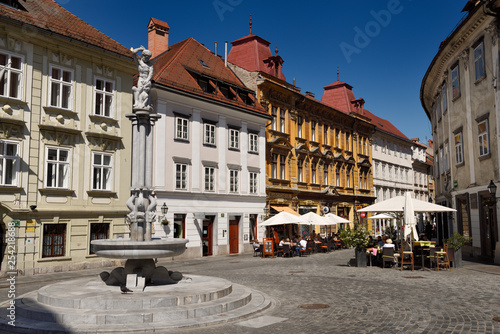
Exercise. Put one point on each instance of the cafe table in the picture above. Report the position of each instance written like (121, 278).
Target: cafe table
(423, 246)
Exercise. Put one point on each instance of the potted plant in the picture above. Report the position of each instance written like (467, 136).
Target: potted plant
(357, 238)
(455, 244)
(164, 222)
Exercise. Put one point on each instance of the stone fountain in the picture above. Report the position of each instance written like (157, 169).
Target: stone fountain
(160, 300)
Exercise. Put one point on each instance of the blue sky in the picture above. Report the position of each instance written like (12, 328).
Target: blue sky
(383, 48)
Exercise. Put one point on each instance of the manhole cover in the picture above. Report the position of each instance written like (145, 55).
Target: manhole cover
(413, 277)
(497, 319)
(314, 306)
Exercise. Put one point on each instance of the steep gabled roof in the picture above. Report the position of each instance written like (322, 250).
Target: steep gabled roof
(49, 16)
(176, 66)
(339, 96)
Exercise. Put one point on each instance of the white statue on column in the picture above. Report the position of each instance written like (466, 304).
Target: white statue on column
(142, 99)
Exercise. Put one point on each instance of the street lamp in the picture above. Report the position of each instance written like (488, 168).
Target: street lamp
(492, 188)
(164, 209)
(266, 210)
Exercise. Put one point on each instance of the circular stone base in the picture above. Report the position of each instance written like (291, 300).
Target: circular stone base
(89, 306)
(127, 249)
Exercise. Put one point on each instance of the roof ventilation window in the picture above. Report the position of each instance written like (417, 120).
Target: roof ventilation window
(12, 3)
(203, 63)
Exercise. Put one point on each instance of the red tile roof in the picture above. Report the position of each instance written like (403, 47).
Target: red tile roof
(171, 69)
(51, 17)
(250, 52)
(384, 125)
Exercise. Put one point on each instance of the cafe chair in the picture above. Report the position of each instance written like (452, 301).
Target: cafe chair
(287, 252)
(442, 258)
(407, 258)
(388, 256)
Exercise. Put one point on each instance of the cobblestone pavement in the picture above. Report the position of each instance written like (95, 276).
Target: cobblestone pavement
(346, 299)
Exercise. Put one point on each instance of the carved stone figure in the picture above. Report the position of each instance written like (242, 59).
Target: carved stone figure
(142, 100)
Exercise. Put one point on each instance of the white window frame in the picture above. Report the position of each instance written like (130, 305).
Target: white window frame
(313, 172)
(253, 143)
(9, 161)
(282, 120)
(62, 169)
(479, 70)
(300, 172)
(459, 148)
(234, 139)
(253, 182)
(101, 111)
(300, 121)
(59, 85)
(274, 114)
(209, 179)
(9, 73)
(234, 181)
(209, 134)
(325, 174)
(99, 170)
(181, 128)
(282, 167)
(181, 176)
(274, 166)
(313, 130)
(483, 138)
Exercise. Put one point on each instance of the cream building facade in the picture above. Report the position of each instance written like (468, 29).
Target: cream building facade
(64, 139)
(461, 97)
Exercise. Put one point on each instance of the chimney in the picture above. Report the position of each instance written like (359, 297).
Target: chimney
(157, 36)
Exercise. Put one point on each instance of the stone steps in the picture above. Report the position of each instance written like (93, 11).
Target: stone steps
(205, 300)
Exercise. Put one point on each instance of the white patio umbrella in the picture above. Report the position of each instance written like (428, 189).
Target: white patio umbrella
(409, 217)
(381, 216)
(396, 204)
(284, 218)
(334, 219)
(316, 219)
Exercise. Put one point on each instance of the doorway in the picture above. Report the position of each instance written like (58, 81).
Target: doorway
(488, 233)
(207, 241)
(234, 225)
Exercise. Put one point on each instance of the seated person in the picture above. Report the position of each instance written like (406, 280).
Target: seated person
(282, 242)
(379, 241)
(388, 244)
(301, 246)
(371, 242)
(256, 245)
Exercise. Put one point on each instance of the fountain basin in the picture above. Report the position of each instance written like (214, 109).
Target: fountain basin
(127, 249)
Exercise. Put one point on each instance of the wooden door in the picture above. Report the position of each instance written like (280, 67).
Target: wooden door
(233, 236)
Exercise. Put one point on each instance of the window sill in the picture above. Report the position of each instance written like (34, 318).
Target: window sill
(55, 258)
(11, 189)
(479, 80)
(460, 164)
(485, 157)
(101, 193)
(12, 100)
(233, 149)
(253, 152)
(57, 192)
(180, 140)
(100, 119)
(209, 145)
(57, 110)
(456, 97)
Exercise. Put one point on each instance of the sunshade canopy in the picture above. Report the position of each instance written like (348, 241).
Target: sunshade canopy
(396, 204)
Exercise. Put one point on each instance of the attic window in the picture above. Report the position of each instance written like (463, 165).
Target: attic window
(12, 3)
(203, 63)
(245, 97)
(226, 91)
(205, 85)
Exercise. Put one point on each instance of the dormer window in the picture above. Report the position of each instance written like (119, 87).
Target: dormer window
(205, 85)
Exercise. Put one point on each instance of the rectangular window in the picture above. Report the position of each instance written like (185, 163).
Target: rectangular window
(459, 151)
(209, 179)
(103, 95)
(325, 174)
(455, 81)
(300, 172)
(282, 166)
(282, 121)
(253, 183)
(98, 231)
(479, 61)
(181, 128)
(438, 107)
(444, 99)
(57, 168)
(61, 87)
(325, 134)
(337, 177)
(9, 163)
(484, 141)
(274, 114)
(253, 142)
(299, 126)
(234, 139)
(337, 138)
(313, 131)
(179, 225)
(274, 166)
(11, 81)
(180, 176)
(54, 239)
(233, 181)
(348, 178)
(102, 171)
(446, 157)
(313, 172)
(209, 134)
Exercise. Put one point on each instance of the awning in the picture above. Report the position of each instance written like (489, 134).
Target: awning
(285, 209)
